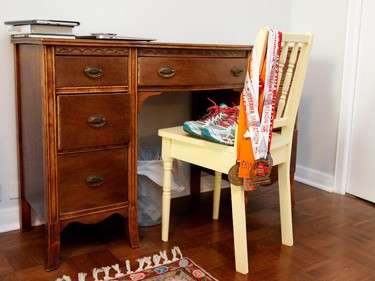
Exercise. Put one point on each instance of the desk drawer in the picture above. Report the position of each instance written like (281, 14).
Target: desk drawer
(154, 71)
(88, 120)
(92, 180)
(86, 71)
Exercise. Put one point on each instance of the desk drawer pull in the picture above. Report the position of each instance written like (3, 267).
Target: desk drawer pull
(96, 121)
(236, 72)
(93, 181)
(93, 71)
(166, 71)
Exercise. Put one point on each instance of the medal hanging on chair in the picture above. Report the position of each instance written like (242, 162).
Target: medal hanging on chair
(260, 111)
(233, 175)
(260, 171)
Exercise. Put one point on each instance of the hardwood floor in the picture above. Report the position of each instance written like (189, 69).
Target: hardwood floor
(334, 240)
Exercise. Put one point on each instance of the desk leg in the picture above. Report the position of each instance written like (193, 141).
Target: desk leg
(133, 228)
(53, 245)
(195, 180)
(292, 190)
(25, 215)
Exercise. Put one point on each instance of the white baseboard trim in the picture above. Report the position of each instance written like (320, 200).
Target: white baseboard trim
(9, 219)
(314, 178)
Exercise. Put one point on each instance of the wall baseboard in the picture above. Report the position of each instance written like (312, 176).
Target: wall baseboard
(315, 178)
(9, 219)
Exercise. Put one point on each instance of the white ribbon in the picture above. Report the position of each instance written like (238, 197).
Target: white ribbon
(259, 128)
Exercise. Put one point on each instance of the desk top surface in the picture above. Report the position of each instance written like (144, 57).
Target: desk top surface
(130, 44)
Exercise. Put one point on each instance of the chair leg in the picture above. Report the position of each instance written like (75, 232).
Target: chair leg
(292, 190)
(166, 197)
(239, 229)
(217, 194)
(285, 205)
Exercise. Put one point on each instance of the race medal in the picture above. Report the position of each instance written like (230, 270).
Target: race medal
(260, 171)
(233, 175)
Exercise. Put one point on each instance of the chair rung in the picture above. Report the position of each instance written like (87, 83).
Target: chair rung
(280, 122)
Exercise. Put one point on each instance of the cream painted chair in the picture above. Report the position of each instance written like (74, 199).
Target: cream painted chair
(176, 144)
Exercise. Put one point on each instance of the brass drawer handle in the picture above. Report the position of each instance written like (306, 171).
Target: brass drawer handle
(166, 71)
(94, 71)
(93, 181)
(236, 72)
(96, 121)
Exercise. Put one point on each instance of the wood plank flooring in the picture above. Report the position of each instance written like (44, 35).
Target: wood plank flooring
(334, 240)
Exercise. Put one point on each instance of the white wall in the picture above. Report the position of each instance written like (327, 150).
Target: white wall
(196, 21)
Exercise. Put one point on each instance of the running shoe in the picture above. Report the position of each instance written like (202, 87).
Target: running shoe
(215, 114)
(223, 132)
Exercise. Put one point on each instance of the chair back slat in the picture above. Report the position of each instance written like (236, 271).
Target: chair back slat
(293, 62)
(299, 58)
(282, 61)
(289, 65)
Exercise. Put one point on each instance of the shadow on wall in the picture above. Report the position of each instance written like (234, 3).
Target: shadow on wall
(161, 111)
(318, 117)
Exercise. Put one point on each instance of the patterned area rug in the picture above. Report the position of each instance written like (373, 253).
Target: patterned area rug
(156, 268)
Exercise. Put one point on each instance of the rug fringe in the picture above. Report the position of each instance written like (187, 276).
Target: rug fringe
(144, 263)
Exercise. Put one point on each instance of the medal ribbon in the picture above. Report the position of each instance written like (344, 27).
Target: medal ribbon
(257, 106)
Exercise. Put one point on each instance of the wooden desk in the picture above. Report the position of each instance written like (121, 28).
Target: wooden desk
(77, 105)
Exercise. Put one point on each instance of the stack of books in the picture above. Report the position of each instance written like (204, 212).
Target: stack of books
(41, 28)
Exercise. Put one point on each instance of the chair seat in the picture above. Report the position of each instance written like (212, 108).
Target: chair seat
(205, 152)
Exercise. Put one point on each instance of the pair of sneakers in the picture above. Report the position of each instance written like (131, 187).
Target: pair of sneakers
(218, 125)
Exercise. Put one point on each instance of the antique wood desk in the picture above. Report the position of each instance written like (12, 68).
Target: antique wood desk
(77, 105)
